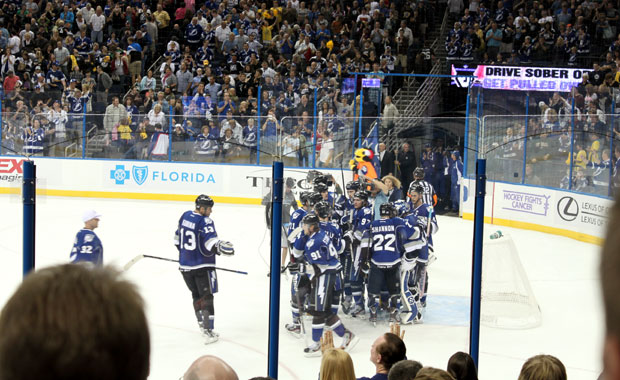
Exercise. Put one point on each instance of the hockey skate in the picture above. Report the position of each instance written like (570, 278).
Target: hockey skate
(419, 319)
(346, 306)
(358, 312)
(313, 350)
(210, 336)
(394, 316)
(349, 340)
(294, 328)
(373, 316)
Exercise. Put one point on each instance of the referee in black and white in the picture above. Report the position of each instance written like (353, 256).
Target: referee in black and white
(429, 196)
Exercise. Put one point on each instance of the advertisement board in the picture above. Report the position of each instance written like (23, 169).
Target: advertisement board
(241, 184)
(579, 216)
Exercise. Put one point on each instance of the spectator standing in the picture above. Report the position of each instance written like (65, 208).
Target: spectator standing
(113, 115)
(493, 38)
(390, 116)
(386, 158)
(405, 163)
(184, 79)
(97, 23)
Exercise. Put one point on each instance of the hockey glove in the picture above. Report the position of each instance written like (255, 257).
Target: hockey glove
(423, 222)
(293, 267)
(225, 248)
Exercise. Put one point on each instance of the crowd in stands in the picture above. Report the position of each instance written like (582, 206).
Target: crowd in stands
(100, 343)
(203, 63)
(514, 32)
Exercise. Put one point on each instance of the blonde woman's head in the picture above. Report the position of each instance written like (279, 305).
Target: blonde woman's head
(336, 364)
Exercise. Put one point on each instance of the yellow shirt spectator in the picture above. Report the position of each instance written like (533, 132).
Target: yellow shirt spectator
(162, 17)
(124, 132)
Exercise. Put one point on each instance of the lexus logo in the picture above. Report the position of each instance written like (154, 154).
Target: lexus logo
(568, 208)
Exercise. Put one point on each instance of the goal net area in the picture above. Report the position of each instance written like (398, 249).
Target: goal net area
(507, 298)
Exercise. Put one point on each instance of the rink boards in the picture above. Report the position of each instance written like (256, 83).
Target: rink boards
(151, 180)
(566, 213)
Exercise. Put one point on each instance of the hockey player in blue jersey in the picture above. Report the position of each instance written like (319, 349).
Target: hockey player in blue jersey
(362, 216)
(87, 246)
(300, 284)
(333, 231)
(198, 245)
(346, 209)
(381, 257)
(414, 280)
(323, 269)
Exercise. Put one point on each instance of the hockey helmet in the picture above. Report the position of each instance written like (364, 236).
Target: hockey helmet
(361, 194)
(204, 201)
(387, 209)
(322, 209)
(320, 187)
(322, 178)
(418, 173)
(353, 185)
(304, 197)
(310, 219)
(416, 188)
(314, 199)
(401, 207)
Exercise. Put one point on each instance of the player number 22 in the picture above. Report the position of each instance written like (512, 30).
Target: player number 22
(384, 243)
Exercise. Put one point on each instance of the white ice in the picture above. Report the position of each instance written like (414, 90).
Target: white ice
(562, 272)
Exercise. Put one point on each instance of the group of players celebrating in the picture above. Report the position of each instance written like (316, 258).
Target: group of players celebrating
(338, 245)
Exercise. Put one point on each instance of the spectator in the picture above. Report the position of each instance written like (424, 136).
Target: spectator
(386, 158)
(394, 191)
(405, 163)
(430, 373)
(404, 370)
(210, 367)
(97, 23)
(79, 350)
(543, 367)
(113, 115)
(336, 364)
(390, 116)
(387, 350)
(461, 365)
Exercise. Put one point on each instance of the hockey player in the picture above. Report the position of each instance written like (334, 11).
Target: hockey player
(299, 282)
(198, 244)
(429, 196)
(346, 211)
(414, 280)
(323, 269)
(87, 246)
(333, 231)
(362, 216)
(381, 256)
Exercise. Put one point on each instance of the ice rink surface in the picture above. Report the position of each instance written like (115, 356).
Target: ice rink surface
(562, 272)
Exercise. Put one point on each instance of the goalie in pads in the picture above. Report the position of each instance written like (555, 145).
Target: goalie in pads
(198, 245)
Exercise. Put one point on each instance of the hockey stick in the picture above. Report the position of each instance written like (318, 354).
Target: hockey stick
(139, 257)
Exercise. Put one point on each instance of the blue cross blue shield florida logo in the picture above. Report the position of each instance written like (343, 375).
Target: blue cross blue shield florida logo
(139, 173)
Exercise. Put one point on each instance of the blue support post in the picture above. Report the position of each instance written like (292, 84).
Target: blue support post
(466, 142)
(170, 135)
(611, 144)
(572, 145)
(478, 110)
(274, 279)
(527, 112)
(84, 130)
(359, 128)
(29, 196)
(476, 279)
(354, 113)
(258, 127)
(314, 132)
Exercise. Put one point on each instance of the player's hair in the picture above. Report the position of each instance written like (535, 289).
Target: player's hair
(404, 370)
(72, 322)
(430, 373)
(610, 267)
(336, 365)
(461, 365)
(545, 367)
(392, 350)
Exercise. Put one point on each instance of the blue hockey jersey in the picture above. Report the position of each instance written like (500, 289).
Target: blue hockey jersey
(318, 251)
(383, 238)
(87, 248)
(195, 240)
(420, 216)
(333, 231)
(361, 221)
(294, 228)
